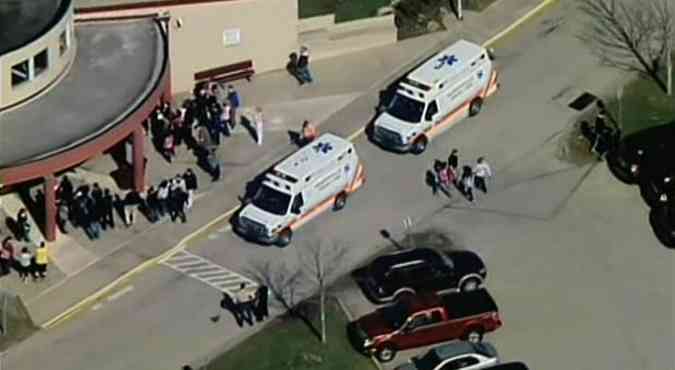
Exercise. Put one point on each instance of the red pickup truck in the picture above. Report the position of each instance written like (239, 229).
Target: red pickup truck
(421, 320)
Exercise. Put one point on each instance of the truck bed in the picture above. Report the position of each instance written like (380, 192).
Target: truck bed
(469, 303)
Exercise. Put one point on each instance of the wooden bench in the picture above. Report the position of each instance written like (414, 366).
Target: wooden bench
(230, 72)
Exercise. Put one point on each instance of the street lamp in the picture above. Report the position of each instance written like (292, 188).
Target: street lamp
(460, 13)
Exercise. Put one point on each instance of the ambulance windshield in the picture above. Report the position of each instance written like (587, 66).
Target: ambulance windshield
(406, 109)
(272, 201)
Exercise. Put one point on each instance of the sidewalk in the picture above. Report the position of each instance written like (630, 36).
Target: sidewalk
(86, 267)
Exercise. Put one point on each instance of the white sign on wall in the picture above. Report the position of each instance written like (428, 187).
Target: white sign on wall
(232, 37)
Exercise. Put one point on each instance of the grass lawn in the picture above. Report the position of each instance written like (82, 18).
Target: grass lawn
(349, 10)
(290, 344)
(477, 5)
(313, 8)
(644, 105)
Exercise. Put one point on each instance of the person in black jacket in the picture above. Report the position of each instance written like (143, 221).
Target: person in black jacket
(303, 66)
(261, 309)
(108, 218)
(191, 185)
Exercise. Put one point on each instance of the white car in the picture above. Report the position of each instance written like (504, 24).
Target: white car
(455, 356)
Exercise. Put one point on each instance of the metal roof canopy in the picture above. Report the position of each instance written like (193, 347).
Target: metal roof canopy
(313, 157)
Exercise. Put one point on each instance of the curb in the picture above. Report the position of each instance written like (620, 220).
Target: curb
(350, 317)
(182, 244)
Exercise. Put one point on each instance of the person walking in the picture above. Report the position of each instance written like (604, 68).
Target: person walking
(24, 263)
(91, 219)
(226, 119)
(65, 190)
(62, 215)
(261, 307)
(453, 159)
(41, 261)
(244, 299)
(213, 164)
(191, 185)
(131, 201)
(259, 123)
(24, 225)
(467, 183)
(97, 196)
(309, 133)
(235, 102)
(303, 66)
(444, 178)
(163, 198)
(482, 172)
(6, 257)
(108, 209)
(153, 205)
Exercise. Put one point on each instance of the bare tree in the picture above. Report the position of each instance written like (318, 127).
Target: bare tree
(283, 282)
(322, 261)
(632, 35)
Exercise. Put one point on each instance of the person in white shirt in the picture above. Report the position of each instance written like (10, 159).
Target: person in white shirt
(482, 172)
(258, 119)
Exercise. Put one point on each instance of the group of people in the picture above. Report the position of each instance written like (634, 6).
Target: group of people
(23, 261)
(600, 136)
(445, 174)
(91, 208)
(298, 66)
(172, 197)
(246, 304)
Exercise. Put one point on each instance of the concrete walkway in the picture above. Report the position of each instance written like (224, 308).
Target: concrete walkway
(87, 267)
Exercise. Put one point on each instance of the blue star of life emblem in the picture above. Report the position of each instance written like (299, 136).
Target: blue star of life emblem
(480, 75)
(323, 147)
(446, 59)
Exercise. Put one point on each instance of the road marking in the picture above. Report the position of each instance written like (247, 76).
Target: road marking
(122, 292)
(183, 243)
(97, 307)
(223, 279)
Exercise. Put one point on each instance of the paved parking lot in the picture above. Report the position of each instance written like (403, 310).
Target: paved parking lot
(587, 287)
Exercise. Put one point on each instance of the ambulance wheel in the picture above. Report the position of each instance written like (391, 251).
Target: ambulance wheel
(419, 146)
(285, 238)
(475, 107)
(340, 201)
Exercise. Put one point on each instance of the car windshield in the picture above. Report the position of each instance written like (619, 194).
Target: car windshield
(272, 201)
(396, 314)
(427, 362)
(406, 109)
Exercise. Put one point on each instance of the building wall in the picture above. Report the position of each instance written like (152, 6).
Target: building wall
(268, 33)
(11, 96)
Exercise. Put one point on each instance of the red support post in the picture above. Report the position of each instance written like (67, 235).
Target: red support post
(139, 159)
(50, 207)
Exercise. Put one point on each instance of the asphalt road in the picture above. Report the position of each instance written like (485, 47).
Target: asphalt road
(167, 318)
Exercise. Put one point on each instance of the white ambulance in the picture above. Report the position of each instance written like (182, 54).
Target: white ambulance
(318, 176)
(446, 88)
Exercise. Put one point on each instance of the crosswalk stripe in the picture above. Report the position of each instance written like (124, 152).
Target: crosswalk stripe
(207, 275)
(201, 270)
(223, 278)
(204, 270)
(188, 266)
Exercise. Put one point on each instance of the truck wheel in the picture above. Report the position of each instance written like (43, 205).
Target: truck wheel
(285, 237)
(386, 353)
(474, 335)
(475, 107)
(470, 285)
(419, 146)
(340, 201)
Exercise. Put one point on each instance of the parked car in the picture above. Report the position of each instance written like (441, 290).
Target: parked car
(390, 276)
(509, 366)
(424, 319)
(662, 220)
(647, 147)
(455, 356)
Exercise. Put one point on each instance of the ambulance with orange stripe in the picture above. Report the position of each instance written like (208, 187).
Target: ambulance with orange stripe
(451, 85)
(317, 177)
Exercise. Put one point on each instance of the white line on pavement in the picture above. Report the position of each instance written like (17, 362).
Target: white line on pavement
(122, 292)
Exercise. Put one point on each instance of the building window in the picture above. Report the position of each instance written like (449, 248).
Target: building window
(41, 62)
(20, 73)
(63, 42)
